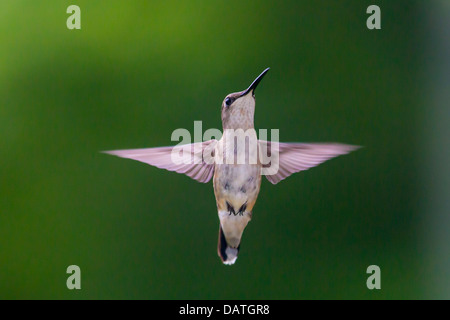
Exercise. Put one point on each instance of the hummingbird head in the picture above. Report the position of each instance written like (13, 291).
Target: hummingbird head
(238, 109)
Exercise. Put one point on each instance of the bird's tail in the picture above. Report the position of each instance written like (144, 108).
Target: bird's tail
(227, 254)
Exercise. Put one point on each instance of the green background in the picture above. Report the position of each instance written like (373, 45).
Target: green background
(137, 70)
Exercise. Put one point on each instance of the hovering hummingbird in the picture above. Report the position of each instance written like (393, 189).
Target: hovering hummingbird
(237, 184)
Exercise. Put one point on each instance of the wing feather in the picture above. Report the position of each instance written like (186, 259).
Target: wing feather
(295, 157)
(192, 162)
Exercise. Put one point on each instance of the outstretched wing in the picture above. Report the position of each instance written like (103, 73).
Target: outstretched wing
(295, 157)
(195, 160)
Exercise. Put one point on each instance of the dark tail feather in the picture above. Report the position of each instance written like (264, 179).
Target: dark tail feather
(227, 254)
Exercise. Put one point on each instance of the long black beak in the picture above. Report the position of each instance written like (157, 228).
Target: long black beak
(255, 83)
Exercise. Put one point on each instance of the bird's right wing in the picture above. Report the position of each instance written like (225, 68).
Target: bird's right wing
(195, 160)
(288, 158)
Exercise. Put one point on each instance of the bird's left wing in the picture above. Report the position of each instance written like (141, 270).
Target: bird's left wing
(280, 160)
(195, 160)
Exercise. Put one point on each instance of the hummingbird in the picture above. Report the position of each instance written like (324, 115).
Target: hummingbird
(237, 183)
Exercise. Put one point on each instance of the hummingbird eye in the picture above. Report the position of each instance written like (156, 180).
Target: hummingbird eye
(228, 101)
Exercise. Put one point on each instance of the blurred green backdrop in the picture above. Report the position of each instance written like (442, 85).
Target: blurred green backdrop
(136, 71)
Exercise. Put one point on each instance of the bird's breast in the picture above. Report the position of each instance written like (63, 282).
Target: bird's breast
(236, 187)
